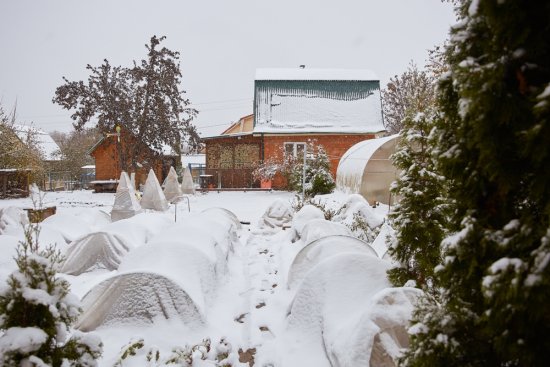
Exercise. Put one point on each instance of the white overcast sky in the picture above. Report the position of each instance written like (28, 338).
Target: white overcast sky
(221, 42)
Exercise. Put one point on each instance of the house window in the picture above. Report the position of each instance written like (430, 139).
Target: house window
(294, 150)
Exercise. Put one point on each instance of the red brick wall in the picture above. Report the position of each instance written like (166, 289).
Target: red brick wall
(107, 163)
(335, 146)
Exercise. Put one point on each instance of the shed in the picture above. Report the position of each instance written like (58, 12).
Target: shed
(366, 169)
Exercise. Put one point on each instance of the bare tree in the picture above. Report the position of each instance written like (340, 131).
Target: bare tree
(74, 149)
(406, 95)
(18, 151)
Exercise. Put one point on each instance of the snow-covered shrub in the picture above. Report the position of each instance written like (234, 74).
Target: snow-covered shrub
(37, 311)
(201, 354)
(358, 215)
(266, 170)
(329, 211)
(318, 179)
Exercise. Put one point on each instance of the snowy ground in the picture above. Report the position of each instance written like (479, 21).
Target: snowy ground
(338, 310)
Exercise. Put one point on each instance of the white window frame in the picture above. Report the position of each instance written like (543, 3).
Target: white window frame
(295, 145)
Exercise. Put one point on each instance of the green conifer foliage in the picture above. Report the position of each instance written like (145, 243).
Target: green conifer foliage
(318, 180)
(420, 216)
(494, 144)
(37, 310)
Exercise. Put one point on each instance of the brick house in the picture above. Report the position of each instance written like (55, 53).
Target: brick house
(108, 151)
(333, 108)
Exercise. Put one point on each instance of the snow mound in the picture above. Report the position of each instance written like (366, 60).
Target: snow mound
(60, 222)
(357, 205)
(99, 250)
(278, 214)
(126, 204)
(153, 197)
(96, 218)
(171, 186)
(318, 228)
(136, 299)
(8, 246)
(304, 215)
(381, 334)
(225, 215)
(382, 242)
(140, 228)
(187, 184)
(320, 250)
(199, 235)
(12, 219)
(50, 236)
(330, 298)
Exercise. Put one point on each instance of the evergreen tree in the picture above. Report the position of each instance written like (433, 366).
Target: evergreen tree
(37, 310)
(318, 179)
(420, 216)
(495, 147)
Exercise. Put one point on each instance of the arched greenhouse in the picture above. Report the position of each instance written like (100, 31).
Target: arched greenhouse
(366, 169)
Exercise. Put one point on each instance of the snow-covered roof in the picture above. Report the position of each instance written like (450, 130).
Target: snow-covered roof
(317, 101)
(314, 74)
(193, 158)
(44, 141)
(310, 114)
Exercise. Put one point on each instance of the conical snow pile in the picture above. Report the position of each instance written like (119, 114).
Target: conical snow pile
(187, 184)
(153, 197)
(171, 186)
(126, 204)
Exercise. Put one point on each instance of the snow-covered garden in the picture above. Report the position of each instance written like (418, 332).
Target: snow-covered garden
(233, 277)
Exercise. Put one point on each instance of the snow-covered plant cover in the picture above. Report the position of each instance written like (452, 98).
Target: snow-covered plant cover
(171, 186)
(303, 216)
(37, 311)
(126, 203)
(278, 214)
(153, 197)
(187, 184)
